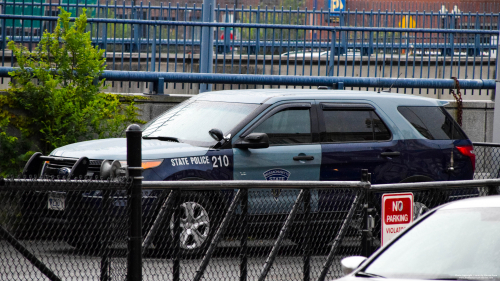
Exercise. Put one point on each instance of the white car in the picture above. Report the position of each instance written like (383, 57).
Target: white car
(456, 241)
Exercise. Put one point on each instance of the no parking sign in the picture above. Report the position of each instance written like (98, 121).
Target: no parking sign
(397, 214)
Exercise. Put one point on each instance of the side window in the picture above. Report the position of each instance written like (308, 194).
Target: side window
(289, 126)
(432, 122)
(353, 126)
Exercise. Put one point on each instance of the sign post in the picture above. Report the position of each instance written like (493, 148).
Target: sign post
(397, 214)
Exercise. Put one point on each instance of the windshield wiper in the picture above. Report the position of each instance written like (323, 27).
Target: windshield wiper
(162, 138)
(366, 274)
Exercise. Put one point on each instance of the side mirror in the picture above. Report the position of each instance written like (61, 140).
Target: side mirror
(216, 134)
(253, 140)
(349, 264)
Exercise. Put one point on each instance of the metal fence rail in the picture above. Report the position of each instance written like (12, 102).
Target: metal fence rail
(276, 42)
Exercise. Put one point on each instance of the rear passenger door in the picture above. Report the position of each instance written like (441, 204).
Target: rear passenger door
(354, 137)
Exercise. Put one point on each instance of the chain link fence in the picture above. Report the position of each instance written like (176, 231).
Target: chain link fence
(487, 160)
(54, 229)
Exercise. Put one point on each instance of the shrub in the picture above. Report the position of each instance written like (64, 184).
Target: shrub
(55, 97)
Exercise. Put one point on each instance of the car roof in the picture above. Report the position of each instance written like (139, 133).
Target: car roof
(261, 96)
(478, 202)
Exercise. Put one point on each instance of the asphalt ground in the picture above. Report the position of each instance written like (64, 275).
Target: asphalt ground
(71, 264)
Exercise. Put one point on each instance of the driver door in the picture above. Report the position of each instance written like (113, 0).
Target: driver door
(293, 154)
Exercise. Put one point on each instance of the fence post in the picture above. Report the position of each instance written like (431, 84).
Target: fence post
(207, 41)
(105, 236)
(134, 202)
(366, 240)
(306, 258)
(176, 263)
(244, 235)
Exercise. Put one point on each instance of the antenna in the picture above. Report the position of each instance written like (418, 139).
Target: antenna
(389, 90)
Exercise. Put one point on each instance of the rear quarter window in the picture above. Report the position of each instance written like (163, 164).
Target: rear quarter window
(432, 122)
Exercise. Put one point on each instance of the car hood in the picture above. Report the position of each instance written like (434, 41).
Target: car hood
(116, 149)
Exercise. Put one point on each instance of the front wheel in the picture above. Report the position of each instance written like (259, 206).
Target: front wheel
(194, 226)
(199, 218)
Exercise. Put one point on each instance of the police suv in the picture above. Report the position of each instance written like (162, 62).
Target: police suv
(278, 135)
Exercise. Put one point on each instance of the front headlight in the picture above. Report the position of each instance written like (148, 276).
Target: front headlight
(112, 169)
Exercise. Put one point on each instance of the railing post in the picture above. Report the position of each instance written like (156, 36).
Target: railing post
(477, 50)
(4, 36)
(343, 36)
(333, 52)
(496, 98)
(244, 235)
(370, 40)
(207, 41)
(227, 35)
(104, 43)
(136, 47)
(160, 86)
(154, 88)
(2, 12)
(134, 202)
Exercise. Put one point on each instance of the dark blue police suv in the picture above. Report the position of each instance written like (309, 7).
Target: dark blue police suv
(281, 135)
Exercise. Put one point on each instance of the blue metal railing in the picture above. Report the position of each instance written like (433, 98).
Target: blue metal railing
(282, 80)
(279, 42)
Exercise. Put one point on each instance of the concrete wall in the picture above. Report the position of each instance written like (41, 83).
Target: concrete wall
(477, 116)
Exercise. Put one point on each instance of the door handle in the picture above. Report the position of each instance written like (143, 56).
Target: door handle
(303, 158)
(390, 154)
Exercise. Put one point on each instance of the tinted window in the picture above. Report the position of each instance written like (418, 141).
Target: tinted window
(432, 122)
(349, 126)
(287, 127)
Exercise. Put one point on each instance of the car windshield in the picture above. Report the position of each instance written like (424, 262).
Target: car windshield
(449, 244)
(191, 120)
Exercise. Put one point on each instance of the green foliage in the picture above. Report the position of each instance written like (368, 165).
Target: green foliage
(55, 97)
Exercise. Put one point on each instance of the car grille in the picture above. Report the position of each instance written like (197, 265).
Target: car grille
(52, 168)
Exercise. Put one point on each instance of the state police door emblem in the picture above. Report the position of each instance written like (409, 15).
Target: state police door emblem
(276, 175)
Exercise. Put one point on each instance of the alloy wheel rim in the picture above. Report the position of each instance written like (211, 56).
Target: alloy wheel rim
(194, 226)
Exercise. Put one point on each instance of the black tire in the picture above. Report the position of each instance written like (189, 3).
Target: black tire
(200, 216)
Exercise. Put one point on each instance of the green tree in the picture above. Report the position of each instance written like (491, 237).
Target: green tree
(55, 97)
